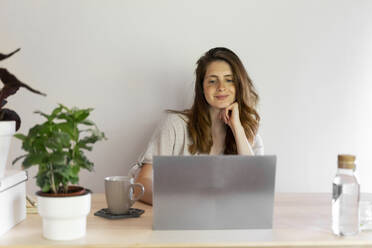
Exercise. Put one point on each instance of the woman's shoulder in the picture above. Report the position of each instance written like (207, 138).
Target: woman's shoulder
(176, 118)
(174, 122)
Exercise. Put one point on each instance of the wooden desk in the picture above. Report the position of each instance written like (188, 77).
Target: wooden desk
(299, 220)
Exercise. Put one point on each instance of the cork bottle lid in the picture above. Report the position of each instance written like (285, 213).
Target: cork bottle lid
(346, 161)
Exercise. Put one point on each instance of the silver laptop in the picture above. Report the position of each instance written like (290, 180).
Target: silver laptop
(213, 192)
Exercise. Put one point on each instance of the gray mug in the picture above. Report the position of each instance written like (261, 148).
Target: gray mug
(119, 192)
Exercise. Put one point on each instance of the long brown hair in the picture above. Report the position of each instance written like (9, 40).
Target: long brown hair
(199, 121)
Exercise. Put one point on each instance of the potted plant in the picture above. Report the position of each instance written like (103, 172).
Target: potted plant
(57, 148)
(10, 121)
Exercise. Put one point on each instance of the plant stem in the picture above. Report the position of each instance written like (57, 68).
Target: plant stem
(52, 184)
(65, 188)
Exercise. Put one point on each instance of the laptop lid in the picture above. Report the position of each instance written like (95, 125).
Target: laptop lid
(213, 192)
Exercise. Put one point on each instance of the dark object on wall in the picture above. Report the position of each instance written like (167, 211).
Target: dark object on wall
(11, 86)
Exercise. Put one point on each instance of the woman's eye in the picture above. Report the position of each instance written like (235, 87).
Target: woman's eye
(212, 82)
(230, 81)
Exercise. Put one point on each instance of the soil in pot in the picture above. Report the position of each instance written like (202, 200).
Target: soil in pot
(72, 191)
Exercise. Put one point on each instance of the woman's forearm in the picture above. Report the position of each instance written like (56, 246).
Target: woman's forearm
(242, 143)
(147, 196)
(145, 178)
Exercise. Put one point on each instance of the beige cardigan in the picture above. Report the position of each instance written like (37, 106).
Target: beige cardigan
(172, 138)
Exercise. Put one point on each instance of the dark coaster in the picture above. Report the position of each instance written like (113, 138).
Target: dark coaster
(132, 213)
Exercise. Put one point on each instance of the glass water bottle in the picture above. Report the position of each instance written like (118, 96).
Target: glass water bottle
(345, 200)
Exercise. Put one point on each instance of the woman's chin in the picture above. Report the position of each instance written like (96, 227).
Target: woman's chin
(221, 105)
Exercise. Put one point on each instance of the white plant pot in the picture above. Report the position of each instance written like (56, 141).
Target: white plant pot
(64, 218)
(7, 129)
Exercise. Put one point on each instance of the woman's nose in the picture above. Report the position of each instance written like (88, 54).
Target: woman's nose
(221, 86)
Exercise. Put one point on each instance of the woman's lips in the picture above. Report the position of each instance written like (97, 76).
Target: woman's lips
(221, 97)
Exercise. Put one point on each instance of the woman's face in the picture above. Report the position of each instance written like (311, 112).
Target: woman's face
(218, 85)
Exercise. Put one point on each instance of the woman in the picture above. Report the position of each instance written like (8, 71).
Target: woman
(222, 120)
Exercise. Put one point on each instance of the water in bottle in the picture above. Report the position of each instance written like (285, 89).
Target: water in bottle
(345, 200)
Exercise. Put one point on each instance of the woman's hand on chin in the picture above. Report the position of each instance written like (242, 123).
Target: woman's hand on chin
(230, 115)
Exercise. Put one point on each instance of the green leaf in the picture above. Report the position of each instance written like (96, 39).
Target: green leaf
(80, 115)
(32, 159)
(20, 136)
(63, 139)
(52, 144)
(34, 130)
(68, 127)
(83, 161)
(55, 112)
(58, 158)
(65, 116)
(87, 140)
(42, 180)
(87, 122)
(95, 136)
(85, 147)
(62, 172)
(74, 180)
(58, 141)
(42, 114)
(45, 188)
(75, 170)
(38, 145)
(64, 107)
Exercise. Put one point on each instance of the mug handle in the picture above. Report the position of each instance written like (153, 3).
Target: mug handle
(140, 195)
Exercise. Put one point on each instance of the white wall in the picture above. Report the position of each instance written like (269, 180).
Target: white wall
(310, 61)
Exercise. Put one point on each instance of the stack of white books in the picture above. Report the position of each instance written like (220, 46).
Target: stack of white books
(12, 199)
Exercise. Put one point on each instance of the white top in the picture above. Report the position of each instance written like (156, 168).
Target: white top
(171, 138)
